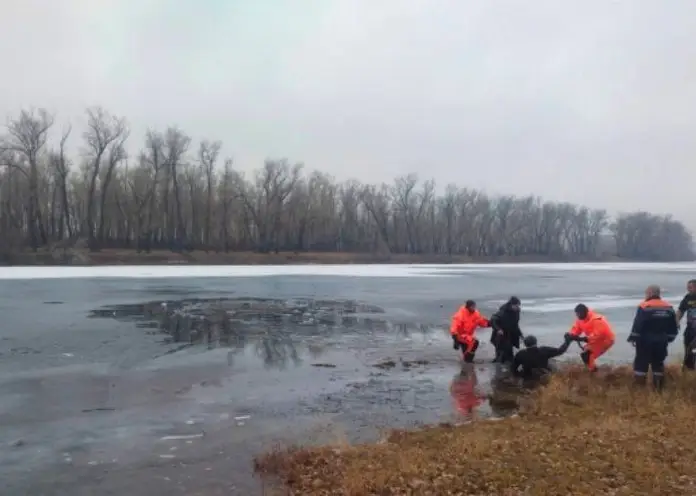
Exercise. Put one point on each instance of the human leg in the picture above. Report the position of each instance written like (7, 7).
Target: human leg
(469, 351)
(689, 345)
(507, 353)
(594, 351)
(641, 363)
(658, 355)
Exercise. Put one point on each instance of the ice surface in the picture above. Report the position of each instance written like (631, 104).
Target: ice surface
(369, 270)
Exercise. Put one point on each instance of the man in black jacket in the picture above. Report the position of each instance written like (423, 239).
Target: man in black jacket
(533, 361)
(506, 333)
(687, 308)
(654, 327)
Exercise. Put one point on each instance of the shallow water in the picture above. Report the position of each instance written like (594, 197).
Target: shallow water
(89, 401)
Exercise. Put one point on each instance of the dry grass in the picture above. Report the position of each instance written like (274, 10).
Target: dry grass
(579, 435)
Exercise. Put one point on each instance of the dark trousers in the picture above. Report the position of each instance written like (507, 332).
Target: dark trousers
(504, 351)
(469, 353)
(650, 355)
(689, 345)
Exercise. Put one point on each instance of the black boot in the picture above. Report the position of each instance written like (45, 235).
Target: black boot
(640, 381)
(658, 382)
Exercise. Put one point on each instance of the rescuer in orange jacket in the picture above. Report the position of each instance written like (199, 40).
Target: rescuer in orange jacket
(464, 324)
(593, 329)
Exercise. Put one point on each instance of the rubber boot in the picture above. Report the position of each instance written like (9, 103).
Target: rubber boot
(639, 381)
(658, 382)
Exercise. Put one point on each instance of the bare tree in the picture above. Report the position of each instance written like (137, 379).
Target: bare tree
(105, 135)
(22, 146)
(170, 198)
(208, 155)
(60, 165)
(176, 144)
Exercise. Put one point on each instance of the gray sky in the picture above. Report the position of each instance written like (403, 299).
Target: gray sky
(588, 101)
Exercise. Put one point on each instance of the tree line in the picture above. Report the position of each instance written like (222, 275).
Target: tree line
(179, 196)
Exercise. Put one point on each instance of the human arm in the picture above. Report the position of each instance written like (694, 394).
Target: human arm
(673, 329)
(518, 330)
(579, 339)
(517, 364)
(638, 325)
(681, 310)
(455, 328)
(482, 321)
(456, 323)
(575, 331)
(496, 322)
(552, 352)
(561, 349)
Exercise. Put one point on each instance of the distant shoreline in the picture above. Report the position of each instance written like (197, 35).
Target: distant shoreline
(116, 257)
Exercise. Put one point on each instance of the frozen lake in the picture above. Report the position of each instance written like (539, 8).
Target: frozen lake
(96, 399)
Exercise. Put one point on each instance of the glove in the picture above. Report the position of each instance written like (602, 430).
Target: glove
(568, 337)
(455, 343)
(582, 339)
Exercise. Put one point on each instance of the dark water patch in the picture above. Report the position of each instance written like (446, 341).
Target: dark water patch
(53, 302)
(405, 364)
(23, 350)
(275, 326)
(387, 364)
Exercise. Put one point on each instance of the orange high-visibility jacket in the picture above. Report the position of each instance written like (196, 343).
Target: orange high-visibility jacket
(595, 327)
(464, 323)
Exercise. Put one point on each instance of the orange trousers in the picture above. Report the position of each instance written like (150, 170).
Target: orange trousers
(593, 351)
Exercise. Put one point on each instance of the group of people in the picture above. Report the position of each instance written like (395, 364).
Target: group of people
(655, 325)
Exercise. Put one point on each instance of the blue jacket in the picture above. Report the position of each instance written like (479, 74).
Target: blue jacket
(655, 323)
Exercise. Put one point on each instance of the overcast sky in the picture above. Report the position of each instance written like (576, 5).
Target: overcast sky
(589, 101)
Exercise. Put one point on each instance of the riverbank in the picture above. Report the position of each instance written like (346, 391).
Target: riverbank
(578, 435)
(84, 257)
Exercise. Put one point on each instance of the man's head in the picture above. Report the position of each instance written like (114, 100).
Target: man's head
(470, 305)
(581, 311)
(530, 341)
(652, 291)
(514, 303)
(691, 286)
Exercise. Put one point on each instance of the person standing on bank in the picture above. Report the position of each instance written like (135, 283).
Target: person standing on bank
(687, 307)
(654, 327)
(506, 333)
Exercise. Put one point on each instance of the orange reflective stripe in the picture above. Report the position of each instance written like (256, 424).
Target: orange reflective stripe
(654, 303)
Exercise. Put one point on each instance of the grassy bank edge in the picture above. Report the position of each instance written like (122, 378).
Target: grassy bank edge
(578, 435)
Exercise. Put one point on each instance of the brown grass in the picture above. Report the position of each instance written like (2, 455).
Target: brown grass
(579, 435)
